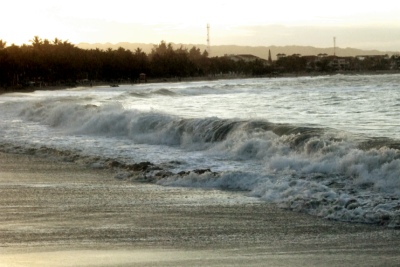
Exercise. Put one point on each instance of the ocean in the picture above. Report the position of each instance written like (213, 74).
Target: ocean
(328, 146)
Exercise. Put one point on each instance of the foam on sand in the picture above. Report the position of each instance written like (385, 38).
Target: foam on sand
(62, 214)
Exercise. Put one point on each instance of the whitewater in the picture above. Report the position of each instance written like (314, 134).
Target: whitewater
(328, 146)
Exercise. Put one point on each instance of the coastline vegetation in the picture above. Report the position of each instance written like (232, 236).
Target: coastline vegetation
(60, 63)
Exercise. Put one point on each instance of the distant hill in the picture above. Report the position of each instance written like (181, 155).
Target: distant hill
(130, 46)
(259, 51)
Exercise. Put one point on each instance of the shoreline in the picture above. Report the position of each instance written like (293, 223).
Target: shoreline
(59, 213)
(192, 79)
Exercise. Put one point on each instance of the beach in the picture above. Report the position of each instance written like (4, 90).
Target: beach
(58, 213)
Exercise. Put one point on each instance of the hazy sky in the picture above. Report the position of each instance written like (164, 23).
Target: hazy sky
(359, 24)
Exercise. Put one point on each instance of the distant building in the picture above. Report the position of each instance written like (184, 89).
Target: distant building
(324, 62)
(244, 57)
(142, 78)
(339, 63)
(311, 62)
(374, 57)
(395, 62)
(322, 55)
(247, 58)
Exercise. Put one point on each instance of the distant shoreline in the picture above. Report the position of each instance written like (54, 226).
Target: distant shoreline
(31, 89)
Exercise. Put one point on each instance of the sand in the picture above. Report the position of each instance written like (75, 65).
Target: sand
(56, 213)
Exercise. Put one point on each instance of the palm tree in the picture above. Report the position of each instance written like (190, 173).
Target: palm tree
(66, 43)
(36, 41)
(2, 44)
(138, 51)
(57, 41)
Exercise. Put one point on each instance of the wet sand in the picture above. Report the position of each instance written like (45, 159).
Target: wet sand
(63, 214)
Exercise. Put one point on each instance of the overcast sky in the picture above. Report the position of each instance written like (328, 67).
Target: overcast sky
(359, 24)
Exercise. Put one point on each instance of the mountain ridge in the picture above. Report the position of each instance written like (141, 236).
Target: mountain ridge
(259, 51)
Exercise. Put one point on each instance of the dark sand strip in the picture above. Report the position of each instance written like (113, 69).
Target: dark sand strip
(63, 214)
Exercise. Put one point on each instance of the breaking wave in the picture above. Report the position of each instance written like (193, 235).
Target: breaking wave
(321, 171)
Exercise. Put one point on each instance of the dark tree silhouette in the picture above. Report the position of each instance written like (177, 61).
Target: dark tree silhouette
(58, 62)
(2, 44)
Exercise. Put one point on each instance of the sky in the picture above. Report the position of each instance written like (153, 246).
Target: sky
(357, 24)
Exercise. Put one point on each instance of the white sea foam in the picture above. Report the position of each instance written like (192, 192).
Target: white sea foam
(327, 146)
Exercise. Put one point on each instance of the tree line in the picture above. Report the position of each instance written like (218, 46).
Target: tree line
(324, 63)
(59, 62)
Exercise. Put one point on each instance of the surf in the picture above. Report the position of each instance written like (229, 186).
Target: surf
(305, 144)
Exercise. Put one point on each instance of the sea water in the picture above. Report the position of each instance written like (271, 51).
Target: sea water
(326, 145)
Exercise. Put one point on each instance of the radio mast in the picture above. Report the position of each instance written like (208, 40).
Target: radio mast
(334, 46)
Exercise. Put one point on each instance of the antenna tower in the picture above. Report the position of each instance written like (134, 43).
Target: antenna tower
(334, 46)
(208, 39)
